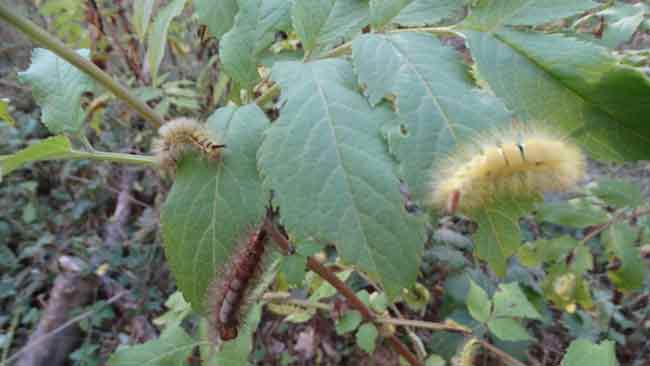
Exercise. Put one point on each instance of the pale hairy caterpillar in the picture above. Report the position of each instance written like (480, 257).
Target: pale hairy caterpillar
(467, 353)
(181, 135)
(522, 161)
(229, 294)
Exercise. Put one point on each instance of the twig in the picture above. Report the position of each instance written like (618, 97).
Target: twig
(424, 324)
(55, 331)
(40, 36)
(342, 288)
(618, 217)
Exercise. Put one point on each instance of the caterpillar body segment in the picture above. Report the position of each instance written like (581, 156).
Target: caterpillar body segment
(179, 136)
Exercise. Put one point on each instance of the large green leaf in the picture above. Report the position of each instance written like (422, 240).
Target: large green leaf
(57, 87)
(218, 16)
(478, 303)
(424, 12)
(508, 329)
(320, 24)
(435, 99)
(622, 21)
(158, 36)
(212, 205)
(619, 240)
(582, 352)
(382, 11)
(577, 213)
(173, 347)
(49, 148)
(326, 161)
(498, 236)
(489, 15)
(254, 30)
(510, 301)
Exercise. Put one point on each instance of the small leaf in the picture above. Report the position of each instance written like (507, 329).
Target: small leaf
(582, 352)
(574, 213)
(366, 337)
(618, 193)
(619, 242)
(309, 248)
(47, 149)
(510, 301)
(327, 290)
(173, 347)
(478, 303)
(320, 24)
(435, 360)
(508, 329)
(348, 322)
(213, 205)
(622, 21)
(293, 267)
(142, 16)
(219, 16)
(158, 35)
(498, 236)
(254, 30)
(378, 302)
(57, 87)
(582, 260)
(4, 113)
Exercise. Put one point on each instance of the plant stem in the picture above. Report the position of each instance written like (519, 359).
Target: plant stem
(427, 325)
(618, 217)
(43, 38)
(285, 297)
(342, 288)
(109, 156)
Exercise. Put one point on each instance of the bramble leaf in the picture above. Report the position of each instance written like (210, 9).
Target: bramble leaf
(173, 347)
(57, 87)
(254, 30)
(575, 213)
(321, 24)
(326, 162)
(478, 303)
(510, 301)
(582, 352)
(619, 242)
(433, 96)
(426, 12)
(50, 148)
(508, 329)
(212, 205)
(218, 16)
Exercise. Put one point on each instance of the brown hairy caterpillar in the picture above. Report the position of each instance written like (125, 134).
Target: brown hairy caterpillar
(467, 353)
(181, 135)
(229, 294)
(522, 161)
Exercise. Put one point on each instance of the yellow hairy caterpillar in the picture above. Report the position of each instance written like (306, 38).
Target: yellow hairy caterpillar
(522, 161)
(467, 353)
(229, 295)
(181, 135)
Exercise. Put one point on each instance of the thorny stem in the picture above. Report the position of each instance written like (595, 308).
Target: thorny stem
(41, 37)
(342, 288)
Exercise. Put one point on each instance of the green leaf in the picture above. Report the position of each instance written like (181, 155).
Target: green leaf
(366, 337)
(238, 351)
(378, 302)
(49, 148)
(293, 267)
(142, 16)
(4, 113)
(326, 290)
(510, 301)
(582, 260)
(158, 36)
(582, 352)
(321, 24)
(326, 161)
(545, 250)
(618, 193)
(435, 360)
(218, 16)
(622, 20)
(498, 236)
(57, 87)
(575, 86)
(173, 347)
(508, 329)
(426, 12)
(439, 106)
(491, 15)
(382, 11)
(348, 322)
(212, 205)
(619, 241)
(575, 213)
(478, 303)
(309, 248)
(179, 309)
(254, 30)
